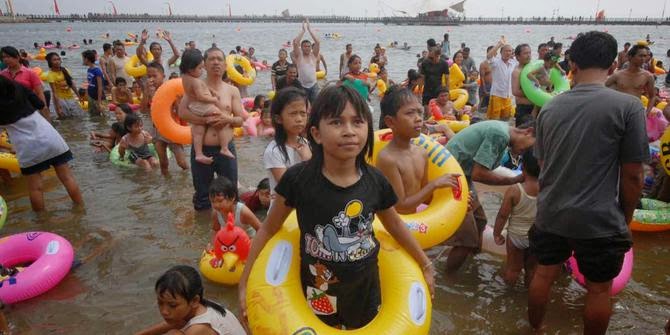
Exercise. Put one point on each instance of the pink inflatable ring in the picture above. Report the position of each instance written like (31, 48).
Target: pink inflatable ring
(49, 255)
(618, 283)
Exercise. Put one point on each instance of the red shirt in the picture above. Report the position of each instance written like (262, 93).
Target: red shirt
(251, 200)
(24, 76)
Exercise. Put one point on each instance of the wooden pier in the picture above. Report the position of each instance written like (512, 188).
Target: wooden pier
(396, 20)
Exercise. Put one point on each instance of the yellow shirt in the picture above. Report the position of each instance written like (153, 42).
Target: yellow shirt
(61, 89)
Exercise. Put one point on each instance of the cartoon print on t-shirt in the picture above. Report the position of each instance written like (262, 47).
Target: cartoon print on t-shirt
(335, 241)
(320, 302)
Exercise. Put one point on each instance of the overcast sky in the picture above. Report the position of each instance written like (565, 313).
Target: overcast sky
(473, 8)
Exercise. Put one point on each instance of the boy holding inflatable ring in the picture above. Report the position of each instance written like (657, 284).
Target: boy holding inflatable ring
(406, 165)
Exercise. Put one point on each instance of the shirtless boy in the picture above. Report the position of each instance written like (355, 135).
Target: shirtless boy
(405, 165)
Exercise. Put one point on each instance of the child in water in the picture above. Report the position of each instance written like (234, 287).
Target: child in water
(519, 205)
(224, 199)
(182, 305)
(202, 103)
(541, 75)
(406, 165)
(137, 142)
(289, 116)
(258, 199)
(121, 93)
(113, 137)
(336, 195)
(264, 128)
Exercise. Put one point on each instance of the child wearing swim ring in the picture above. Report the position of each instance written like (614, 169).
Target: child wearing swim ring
(203, 102)
(336, 195)
(541, 75)
(289, 116)
(137, 142)
(224, 199)
(182, 305)
(107, 141)
(121, 93)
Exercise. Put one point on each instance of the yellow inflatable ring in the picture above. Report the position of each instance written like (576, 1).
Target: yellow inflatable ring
(457, 126)
(238, 132)
(319, 75)
(665, 150)
(271, 95)
(234, 75)
(276, 303)
(459, 96)
(135, 68)
(161, 112)
(447, 209)
(9, 162)
(83, 105)
(661, 105)
(374, 68)
(229, 274)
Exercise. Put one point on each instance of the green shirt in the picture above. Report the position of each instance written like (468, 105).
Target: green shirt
(484, 143)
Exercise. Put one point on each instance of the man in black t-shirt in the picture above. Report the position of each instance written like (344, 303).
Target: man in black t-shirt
(432, 68)
(290, 79)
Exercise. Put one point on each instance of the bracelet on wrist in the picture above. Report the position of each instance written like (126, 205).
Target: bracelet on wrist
(427, 266)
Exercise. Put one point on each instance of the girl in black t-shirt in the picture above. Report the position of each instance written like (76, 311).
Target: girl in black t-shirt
(336, 195)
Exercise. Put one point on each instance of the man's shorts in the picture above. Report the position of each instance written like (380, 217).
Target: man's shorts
(599, 259)
(499, 108)
(43, 166)
(469, 232)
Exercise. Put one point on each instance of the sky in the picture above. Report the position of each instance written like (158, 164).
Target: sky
(473, 8)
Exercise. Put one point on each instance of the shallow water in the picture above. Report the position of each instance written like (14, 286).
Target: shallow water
(136, 225)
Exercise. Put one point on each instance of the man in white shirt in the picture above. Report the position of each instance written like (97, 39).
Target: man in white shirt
(500, 103)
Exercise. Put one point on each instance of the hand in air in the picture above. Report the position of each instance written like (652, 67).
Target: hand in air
(167, 35)
(145, 35)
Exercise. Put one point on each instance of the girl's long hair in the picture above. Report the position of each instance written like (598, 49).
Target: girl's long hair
(66, 74)
(282, 99)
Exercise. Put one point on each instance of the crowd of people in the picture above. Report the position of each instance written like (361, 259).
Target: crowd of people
(322, 136)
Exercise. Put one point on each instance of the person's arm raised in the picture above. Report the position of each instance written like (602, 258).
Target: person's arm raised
(316, 47)
(175, 52)
(141, 51)
(296, 44)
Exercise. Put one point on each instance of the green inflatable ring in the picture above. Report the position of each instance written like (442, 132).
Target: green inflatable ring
(3, 211)
(536, 95)
(114, 156)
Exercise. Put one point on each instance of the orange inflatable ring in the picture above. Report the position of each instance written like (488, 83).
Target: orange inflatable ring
(161, 112)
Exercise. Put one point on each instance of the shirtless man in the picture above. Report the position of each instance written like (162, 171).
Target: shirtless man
(487, 79)
(229, 95)
(344, 59)
(524, 108)
(634, 80)
(305, 56)
(406, 165)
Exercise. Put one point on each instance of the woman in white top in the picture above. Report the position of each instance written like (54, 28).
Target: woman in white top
(37, 144)
(186, 311)
(289, 147)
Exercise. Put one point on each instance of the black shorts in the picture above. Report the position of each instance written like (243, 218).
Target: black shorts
(599, 259)
(43, 166)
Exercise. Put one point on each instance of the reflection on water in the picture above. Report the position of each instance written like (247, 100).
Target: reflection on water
(136, 225)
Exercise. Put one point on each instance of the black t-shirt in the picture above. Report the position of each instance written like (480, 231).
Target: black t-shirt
(338, 249)
(279, 69)
(282, 83)
(432, 73)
